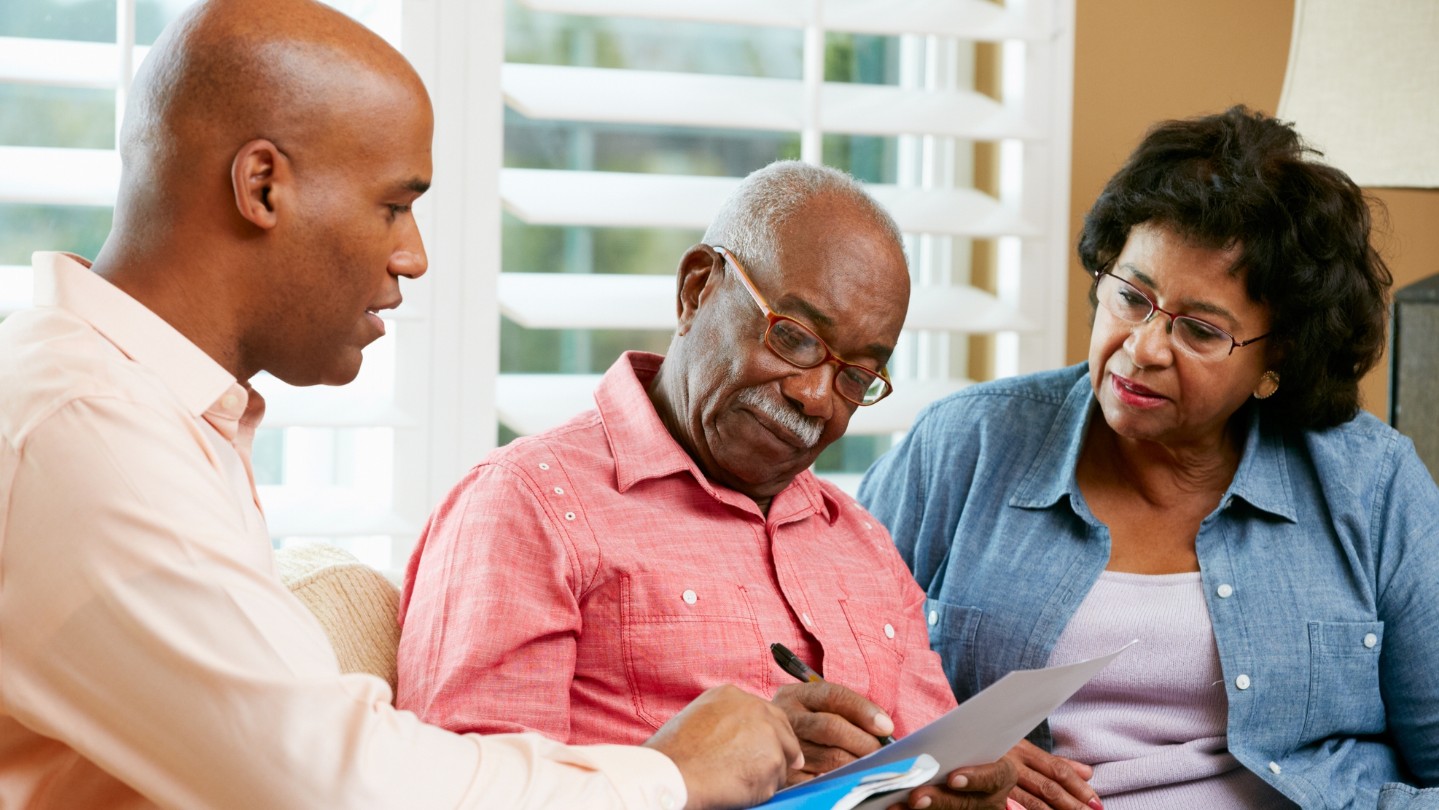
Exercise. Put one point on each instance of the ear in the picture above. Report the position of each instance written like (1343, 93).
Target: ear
(259, 175)
(700, 274)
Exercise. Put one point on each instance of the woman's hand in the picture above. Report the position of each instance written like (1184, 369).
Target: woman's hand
(979, 787)
(1048, 782)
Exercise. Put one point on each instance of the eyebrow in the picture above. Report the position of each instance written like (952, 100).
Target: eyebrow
(790, 301)
(1190, 305)
(414, 184)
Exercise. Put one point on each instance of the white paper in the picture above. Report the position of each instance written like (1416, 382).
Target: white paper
(984, 728)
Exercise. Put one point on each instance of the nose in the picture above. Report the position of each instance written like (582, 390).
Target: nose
(1149, 342)
(812, 390)
(409, 259)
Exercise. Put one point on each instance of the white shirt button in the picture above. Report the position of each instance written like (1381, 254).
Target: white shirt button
(1370, 640)
(933, 618)
(1274, 768)
(805, 617)
(569, 516)
(1242, 682)
(889, 631)
(689, 596)
(559, 491)
(868, 525)
(1225, 591)
(544, 466)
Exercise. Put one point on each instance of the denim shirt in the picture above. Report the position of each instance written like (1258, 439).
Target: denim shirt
(1320, 568)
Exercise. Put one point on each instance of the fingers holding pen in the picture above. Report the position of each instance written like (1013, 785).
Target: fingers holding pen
(835, 725)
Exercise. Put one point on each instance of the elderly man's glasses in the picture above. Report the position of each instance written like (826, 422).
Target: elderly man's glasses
(1197, 338)
(797, 345)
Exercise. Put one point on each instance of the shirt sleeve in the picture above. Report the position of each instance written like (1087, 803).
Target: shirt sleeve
(145, 630)
(1406, 520)
(490, 614)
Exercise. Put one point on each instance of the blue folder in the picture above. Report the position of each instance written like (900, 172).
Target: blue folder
(850, 790)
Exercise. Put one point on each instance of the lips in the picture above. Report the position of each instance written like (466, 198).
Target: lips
(372, 314)
(1132, 393)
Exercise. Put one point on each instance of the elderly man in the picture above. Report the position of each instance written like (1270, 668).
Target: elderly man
(149, 655)
(587, 582)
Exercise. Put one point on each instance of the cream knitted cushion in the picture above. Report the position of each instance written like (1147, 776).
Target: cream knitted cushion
(356, 605)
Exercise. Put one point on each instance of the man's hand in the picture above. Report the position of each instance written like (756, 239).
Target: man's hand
(731, 747)
(980, 787)
(835, 725)
(1048, 782)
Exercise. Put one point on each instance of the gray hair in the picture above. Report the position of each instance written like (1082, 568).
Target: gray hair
(749, 221)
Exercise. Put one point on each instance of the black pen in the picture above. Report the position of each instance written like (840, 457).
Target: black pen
(791, 663)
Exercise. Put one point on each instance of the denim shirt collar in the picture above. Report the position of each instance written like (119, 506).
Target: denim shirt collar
(1262, 479)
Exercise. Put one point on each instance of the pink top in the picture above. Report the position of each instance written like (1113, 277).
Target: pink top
(589, 582)
(149, 655)
(1152, 723)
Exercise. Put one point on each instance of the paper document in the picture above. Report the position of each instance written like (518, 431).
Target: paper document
(984, 728)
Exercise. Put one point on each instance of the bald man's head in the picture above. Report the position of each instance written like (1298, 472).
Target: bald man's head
(270, 153)
(229, 71)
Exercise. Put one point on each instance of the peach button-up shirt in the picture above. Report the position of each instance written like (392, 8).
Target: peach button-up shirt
(149, 655)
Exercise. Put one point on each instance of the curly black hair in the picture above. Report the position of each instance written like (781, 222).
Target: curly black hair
(1241, 179)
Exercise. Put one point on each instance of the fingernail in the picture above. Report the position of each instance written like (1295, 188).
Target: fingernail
(1096, 803)
(924, 801)
(799, 763)
(959, 782)
(883, 724)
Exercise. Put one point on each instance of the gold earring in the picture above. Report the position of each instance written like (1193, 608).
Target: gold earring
(1268, 384)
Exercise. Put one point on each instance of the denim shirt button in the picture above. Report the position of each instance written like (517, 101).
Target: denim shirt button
(1242, 682)
(1274, 768)
(1370, 640)
(933, 618)
(1225, 591)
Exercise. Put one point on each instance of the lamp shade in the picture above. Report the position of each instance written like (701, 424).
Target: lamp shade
(1362, 86)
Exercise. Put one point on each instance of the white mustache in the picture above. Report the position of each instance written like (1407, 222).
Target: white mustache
(807, 428)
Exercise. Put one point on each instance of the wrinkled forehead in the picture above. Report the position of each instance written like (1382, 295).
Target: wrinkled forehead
(851, 284)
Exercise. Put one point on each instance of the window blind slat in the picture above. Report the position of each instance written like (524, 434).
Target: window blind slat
(326, 406)
(977, 20)
(614, 199)
(49, 176)
(61, 63)
(557, 92)
(292, 511)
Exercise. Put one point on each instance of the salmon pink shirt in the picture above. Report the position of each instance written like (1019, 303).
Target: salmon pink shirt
(588, 582)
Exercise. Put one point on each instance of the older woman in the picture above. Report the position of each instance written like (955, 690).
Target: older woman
(1205, 483)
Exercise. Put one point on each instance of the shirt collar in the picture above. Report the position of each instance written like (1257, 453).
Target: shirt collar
(1262, 479)
(65, 281)
(644, 449)
(1051, 475)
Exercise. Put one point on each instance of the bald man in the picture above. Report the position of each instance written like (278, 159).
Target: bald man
(149, 655)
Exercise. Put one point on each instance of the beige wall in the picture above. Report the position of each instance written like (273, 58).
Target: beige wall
(1139, 61)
